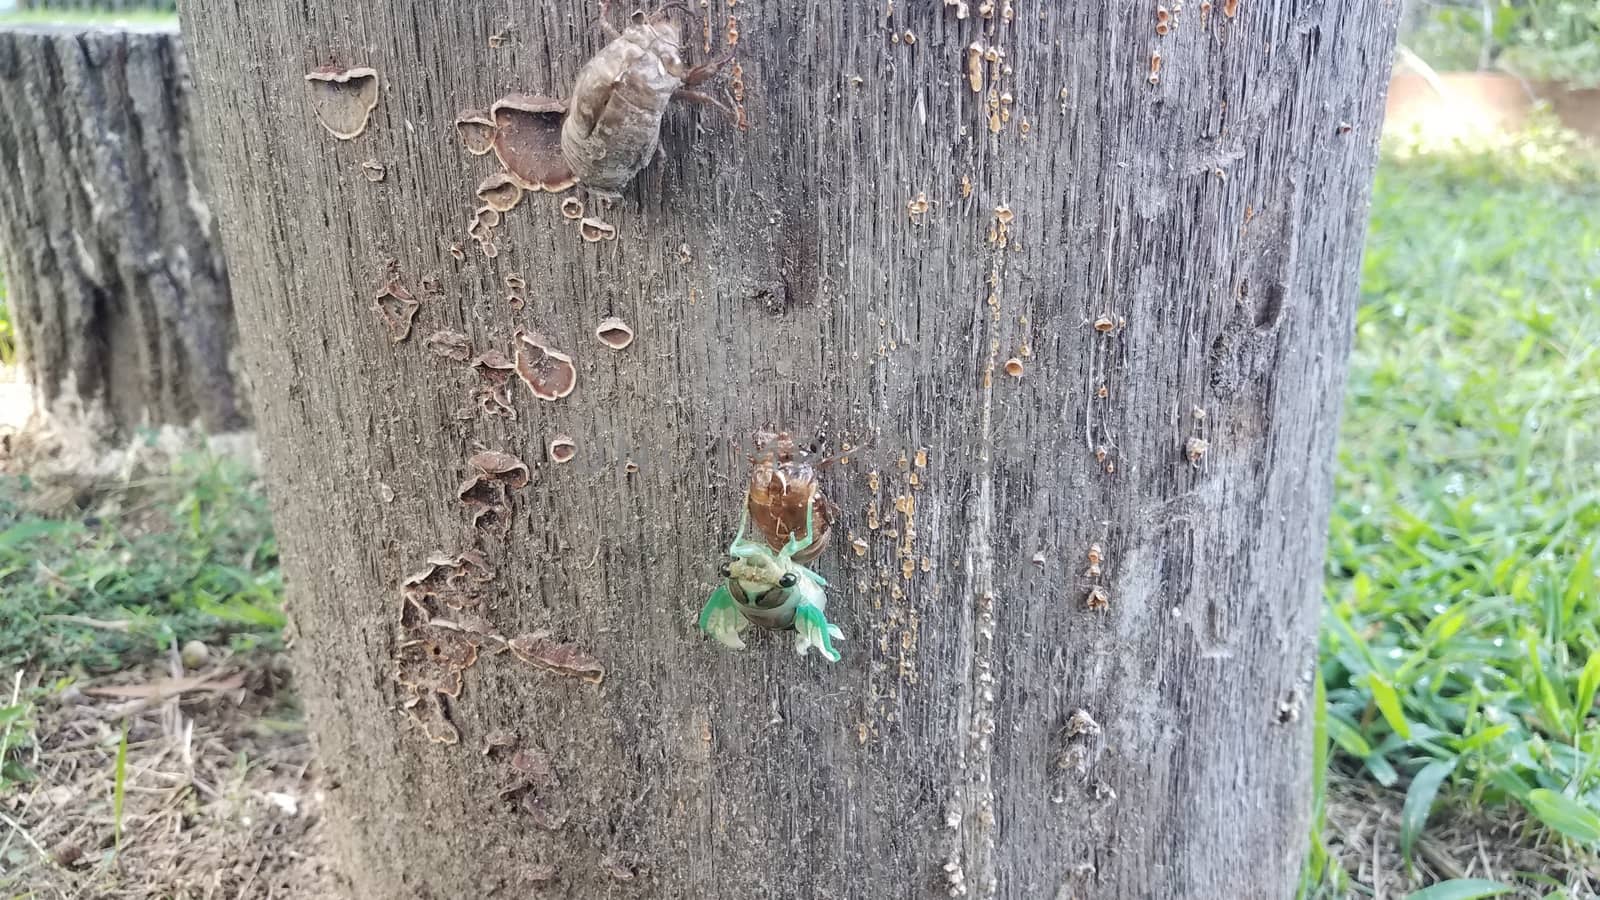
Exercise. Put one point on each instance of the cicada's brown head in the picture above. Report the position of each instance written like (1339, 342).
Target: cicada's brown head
(658, 32)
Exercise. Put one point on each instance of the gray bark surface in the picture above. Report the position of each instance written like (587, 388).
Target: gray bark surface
(113, 265)
(987, 734)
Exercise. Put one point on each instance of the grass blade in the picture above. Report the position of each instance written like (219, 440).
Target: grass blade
(1565, 815)
(119, 788)
(1461, 889)
(1419, 802)
(1588, 682)
(1383, 693)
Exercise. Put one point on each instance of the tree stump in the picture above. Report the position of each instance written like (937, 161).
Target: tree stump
(1088, 307)
(115, 275)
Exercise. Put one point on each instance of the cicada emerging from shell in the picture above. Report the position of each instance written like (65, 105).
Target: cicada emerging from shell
(613, 124)
(784, 525)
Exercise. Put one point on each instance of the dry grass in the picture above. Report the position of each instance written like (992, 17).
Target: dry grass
(1364, 833)
(221, 800)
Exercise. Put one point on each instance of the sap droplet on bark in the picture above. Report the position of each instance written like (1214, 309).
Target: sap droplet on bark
(1106, 323)
(1096, 557)
(595, 230)
(373, 170)
(396, 307)
(527, 141)
(343, 99)
(572, 208)
(917, 208)
(549, 373)
(500, 192)
(562, 449)
(614, 333)
(448, 344)
(538, 649)
(476, 131)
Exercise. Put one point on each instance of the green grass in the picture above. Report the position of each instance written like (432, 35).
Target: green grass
(184, 556)
(145, 18)
(1461, 643)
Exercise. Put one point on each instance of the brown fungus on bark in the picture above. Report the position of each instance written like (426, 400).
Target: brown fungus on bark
(396, 307)
(595, 230)
(527, 141)
(549, 373)
(493, 393)
(485, 493)
(572, 208)
(485, 219)
(428, 711)
(498, 739)
(501, 466)
(453, 581)
(500, 192)
(562, 449)
(537, 649)
(614, 333)
(343, 99)
(476, 131)
(514, 282)
(1014, 367)
(373, 170)
(448, 344)
(1195, 449)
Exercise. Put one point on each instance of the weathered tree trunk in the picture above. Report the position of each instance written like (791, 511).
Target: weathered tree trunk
(112, 263)
(1170, 260)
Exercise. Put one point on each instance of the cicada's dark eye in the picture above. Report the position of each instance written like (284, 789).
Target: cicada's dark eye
(788, 580)
(725, 572)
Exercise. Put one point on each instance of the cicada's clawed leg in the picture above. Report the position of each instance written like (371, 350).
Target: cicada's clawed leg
(703, 99)
(605, 21)
(721, 619)
(812, 629)
(701, 73)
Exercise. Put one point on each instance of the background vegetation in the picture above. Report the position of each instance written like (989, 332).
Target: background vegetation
(1544, 40)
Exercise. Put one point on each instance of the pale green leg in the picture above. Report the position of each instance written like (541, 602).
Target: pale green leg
(812, 629)
(795, 546)
(721, 619)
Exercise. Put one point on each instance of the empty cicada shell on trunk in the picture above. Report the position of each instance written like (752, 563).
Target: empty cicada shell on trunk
(613, 124)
